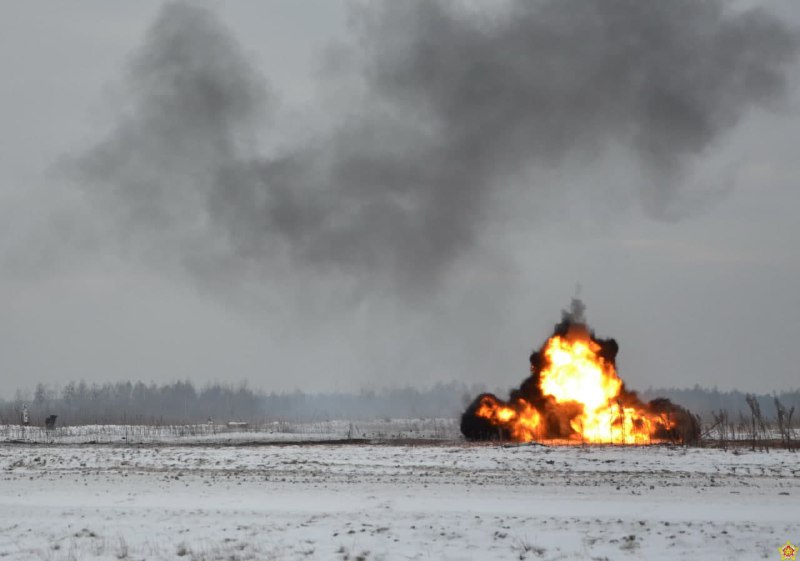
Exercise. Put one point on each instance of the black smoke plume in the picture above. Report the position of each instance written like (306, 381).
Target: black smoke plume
(456, 103)
(557, 416)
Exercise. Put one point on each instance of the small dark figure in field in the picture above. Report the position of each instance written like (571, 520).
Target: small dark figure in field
(50, 422)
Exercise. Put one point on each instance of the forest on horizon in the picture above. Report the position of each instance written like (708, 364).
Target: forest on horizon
(183, 402)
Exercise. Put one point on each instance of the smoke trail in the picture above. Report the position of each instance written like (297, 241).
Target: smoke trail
(456, 103)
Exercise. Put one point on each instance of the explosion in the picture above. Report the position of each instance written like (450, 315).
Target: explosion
(574, 394)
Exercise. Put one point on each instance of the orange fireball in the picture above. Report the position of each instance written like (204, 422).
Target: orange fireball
(576, 373)
(574, 394)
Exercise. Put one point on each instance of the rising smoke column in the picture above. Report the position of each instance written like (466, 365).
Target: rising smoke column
(574, 393)
(456, 102)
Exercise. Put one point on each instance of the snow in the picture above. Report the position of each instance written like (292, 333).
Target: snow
(274, 431)
(373, 501)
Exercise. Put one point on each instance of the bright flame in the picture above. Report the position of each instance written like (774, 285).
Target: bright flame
(582, 387)
(522, 421)
(576, 373)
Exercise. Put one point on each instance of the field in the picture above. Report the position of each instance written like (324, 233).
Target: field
(338, 492)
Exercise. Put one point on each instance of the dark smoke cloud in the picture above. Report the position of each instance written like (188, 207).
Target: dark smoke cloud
(456, 104)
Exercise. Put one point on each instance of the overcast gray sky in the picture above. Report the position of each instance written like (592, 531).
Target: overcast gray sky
(322, 195)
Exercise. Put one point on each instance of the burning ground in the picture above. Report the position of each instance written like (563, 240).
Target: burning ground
(574, 394)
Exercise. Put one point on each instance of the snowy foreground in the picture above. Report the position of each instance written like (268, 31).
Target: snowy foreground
(363, 501)
(267, 432)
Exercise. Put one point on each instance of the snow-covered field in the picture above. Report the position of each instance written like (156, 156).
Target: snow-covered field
(432, 501)
(274, 431)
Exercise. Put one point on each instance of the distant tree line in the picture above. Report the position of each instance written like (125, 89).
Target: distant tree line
(438, 401)
(709, 402)
(79, 403)
(133, 403)
(182, 402)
